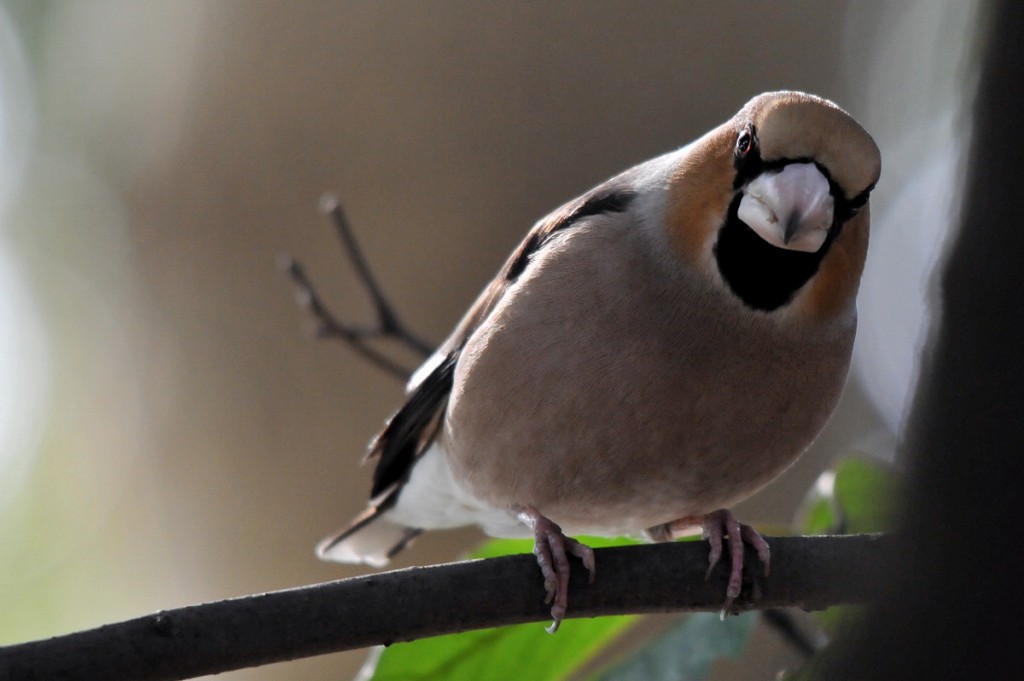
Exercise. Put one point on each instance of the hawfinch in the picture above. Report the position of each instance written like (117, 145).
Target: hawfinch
(653, 352)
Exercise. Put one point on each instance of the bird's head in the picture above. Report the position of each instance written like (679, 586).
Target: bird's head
(770, 194)
(803, 166)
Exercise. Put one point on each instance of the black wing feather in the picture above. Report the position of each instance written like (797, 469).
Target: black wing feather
(410, 431)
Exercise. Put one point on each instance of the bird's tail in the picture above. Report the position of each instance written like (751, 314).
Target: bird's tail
(372, 539)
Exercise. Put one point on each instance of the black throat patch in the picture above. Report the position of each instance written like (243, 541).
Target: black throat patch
(763, 276)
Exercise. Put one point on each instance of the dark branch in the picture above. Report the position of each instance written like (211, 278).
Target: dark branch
(403, 605)
(783, 623)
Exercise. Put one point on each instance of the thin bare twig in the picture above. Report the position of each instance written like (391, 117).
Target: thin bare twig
(328, 326)
(388, 325)
(784, 624)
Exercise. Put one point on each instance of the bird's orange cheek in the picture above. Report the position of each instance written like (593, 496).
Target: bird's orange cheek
(833, 290)
(700, 191)
(693, 218)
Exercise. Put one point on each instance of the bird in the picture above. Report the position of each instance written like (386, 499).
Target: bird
(653, 352)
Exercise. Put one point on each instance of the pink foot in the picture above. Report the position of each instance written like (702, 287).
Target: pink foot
(717, 526)
(552, 549)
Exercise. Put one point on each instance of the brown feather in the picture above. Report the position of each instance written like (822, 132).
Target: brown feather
(413, 427)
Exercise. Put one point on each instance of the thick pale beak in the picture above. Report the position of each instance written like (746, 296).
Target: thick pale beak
(790, 208)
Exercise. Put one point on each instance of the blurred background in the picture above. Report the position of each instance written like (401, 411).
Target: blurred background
(169, 434)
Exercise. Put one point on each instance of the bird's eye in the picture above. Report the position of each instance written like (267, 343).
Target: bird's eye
(744, 143)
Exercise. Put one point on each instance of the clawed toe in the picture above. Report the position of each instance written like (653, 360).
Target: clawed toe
(754, 538)
(718, 528)
(584, 553)
(722, 525)
(553, 549)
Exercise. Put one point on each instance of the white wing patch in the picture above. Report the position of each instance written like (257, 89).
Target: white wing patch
(432, 500)
(370, 545)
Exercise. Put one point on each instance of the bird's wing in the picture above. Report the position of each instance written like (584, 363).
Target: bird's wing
(414, 426)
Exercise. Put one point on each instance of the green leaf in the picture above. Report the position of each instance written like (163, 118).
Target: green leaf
(859, 494)
(687, 651)
(822, 518)
(522, 651)
(506, 547)
(867, 491)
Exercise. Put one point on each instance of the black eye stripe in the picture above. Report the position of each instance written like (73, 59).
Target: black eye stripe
(857, 202)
